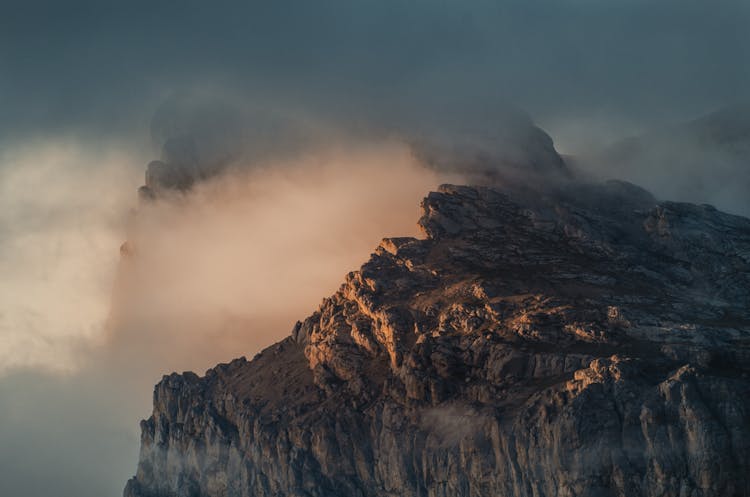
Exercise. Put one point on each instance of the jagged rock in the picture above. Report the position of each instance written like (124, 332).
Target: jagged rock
(582, 341)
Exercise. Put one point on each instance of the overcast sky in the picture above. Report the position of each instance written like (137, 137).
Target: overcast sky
(102, 68)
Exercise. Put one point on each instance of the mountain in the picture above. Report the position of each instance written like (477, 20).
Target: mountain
(580, 340)
(705, 160)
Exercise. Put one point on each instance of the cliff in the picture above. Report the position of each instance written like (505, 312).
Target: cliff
(583, 341)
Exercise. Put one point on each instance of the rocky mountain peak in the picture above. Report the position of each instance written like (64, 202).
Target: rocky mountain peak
(582, 340)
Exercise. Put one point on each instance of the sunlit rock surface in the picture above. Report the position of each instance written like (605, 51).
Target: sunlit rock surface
(586, 341)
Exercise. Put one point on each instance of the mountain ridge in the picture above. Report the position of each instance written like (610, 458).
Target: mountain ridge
(584, 340)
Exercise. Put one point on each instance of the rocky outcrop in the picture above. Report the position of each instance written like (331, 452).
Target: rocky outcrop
(583, 341)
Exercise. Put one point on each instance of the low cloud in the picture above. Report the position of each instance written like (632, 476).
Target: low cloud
(704, 160)
(230, 265)
(214, 273)
(62, 210)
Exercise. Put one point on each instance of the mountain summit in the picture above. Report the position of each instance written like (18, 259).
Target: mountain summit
(582, 341)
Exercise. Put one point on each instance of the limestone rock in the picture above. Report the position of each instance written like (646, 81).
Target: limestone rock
(580, 341)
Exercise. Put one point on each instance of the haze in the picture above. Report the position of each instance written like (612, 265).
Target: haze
(308, 109)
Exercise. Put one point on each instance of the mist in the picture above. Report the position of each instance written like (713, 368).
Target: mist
(214, 273)
(232, 264)
(315, 130)
(62, 210)
(703, 160)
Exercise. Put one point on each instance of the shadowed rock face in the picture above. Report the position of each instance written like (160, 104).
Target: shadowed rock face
(586, 341)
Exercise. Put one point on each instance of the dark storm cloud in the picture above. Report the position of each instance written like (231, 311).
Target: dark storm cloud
(104, 66)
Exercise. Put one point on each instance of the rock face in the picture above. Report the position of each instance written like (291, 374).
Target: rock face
(586, 341)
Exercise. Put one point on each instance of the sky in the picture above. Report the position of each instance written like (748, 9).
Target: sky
(312, 104)
(100, 68)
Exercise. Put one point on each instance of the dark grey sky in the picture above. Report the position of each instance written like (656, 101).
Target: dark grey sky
(103, 67)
